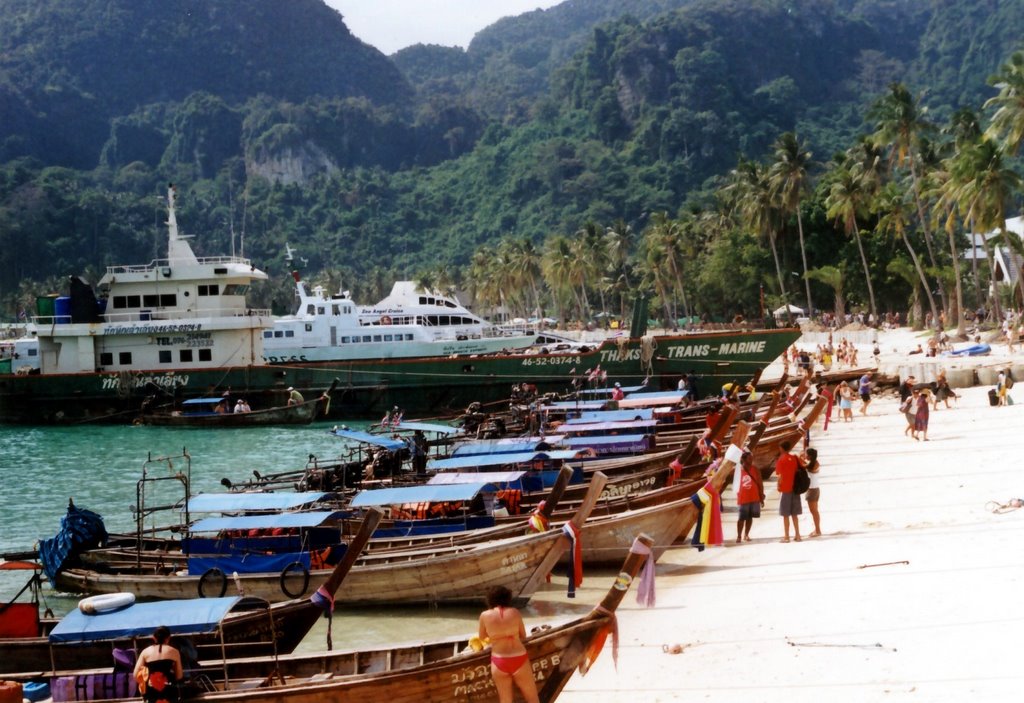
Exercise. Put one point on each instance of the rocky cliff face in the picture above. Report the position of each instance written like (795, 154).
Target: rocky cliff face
(292, 164)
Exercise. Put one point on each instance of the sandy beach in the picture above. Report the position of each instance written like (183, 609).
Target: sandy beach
(911, 593)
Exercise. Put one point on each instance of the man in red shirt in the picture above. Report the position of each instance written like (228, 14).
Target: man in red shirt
(790, 505)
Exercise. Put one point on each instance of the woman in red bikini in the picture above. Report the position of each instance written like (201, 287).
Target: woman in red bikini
(503, 625)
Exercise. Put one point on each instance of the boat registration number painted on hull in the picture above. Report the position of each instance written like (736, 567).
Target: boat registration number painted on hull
(551, 361)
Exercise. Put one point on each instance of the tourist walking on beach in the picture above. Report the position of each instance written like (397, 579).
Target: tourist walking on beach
(909, 409)
(790, 505)
(864, 389)
(510, 663)
(846, 402)
(813, 492)
(1002, 387)
(921, 416)
(749, 496)
(942, 390)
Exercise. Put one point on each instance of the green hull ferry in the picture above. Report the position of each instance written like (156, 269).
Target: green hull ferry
(420, 386)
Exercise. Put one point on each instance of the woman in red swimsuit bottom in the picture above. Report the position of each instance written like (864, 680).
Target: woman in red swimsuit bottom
(510, 663)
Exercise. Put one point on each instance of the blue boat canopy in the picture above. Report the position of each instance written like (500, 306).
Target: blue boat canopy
(203, 401)
(482, 460)
(377, 440)
(635, 425)
(421, 494)
(190, 616)
(508, 445)
(496, 477)
(600, 440)
(608, 391)
(264, 522)
(240, 502)
(576, 405)
(589, 416)
(429, 427)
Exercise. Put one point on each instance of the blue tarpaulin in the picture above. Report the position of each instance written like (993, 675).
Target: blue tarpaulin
(251, 563)
(577, 405)
(264, 522)
(189, 616)
(377, 440)
(601, 440)
(241, 502)
(468, 462)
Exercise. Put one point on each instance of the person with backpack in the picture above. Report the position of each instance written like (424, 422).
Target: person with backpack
(790, 505)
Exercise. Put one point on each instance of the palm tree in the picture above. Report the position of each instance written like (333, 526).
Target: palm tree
(789, 180)
(558, 267)
(965, 129)
(1007, 125)
(899, 125)
(750, 194)
(834, 277)
(993, 185)
(619, 239)
(846, 199)
(901, 268)
(891, 202)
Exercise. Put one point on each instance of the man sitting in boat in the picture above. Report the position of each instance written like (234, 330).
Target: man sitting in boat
(294, 397)
(242, 406)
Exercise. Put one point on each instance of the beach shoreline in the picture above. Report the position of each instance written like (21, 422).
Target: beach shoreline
(909, 594)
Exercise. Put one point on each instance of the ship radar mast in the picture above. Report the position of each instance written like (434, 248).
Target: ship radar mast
(178, 248)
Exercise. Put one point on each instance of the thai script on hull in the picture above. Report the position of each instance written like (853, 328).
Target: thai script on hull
(112, 382)
(152, 329)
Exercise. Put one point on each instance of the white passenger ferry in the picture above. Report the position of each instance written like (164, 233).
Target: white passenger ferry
(160, 321)
(410, 322)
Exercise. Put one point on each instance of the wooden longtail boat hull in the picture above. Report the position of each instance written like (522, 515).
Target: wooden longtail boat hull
(437, 672)
(301, 414)
(444, 575)
(256, 631)
(245, 634)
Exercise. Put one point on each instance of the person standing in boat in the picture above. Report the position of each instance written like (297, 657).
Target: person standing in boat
(617, 392)
(159, 669)
(510, 663)
(419, 452)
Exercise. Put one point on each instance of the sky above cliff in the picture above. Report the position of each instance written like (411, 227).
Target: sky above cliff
(391, 25)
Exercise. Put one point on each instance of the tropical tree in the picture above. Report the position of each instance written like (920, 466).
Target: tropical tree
(908, 272)
(789, 180)
(619, 242)
(899, 126)
(558, 268)
(833, 277)
(1007, 124)
(847, 198)
(989, 185)
(750, 196)
(891, 203)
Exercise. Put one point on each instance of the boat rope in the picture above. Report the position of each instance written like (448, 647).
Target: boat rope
(876, 645)
(1000, 508)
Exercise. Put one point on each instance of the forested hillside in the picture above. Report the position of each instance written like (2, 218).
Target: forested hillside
(591, 119)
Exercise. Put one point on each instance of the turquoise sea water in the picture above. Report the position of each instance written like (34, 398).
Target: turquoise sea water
(98, 467)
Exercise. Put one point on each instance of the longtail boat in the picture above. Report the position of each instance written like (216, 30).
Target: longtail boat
(442, 575)
(442, 671)
(244, 627)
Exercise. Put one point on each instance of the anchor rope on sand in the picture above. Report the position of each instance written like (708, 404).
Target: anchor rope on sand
(1000, 508)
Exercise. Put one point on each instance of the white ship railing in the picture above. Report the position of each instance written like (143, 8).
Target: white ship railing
(162, 263)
